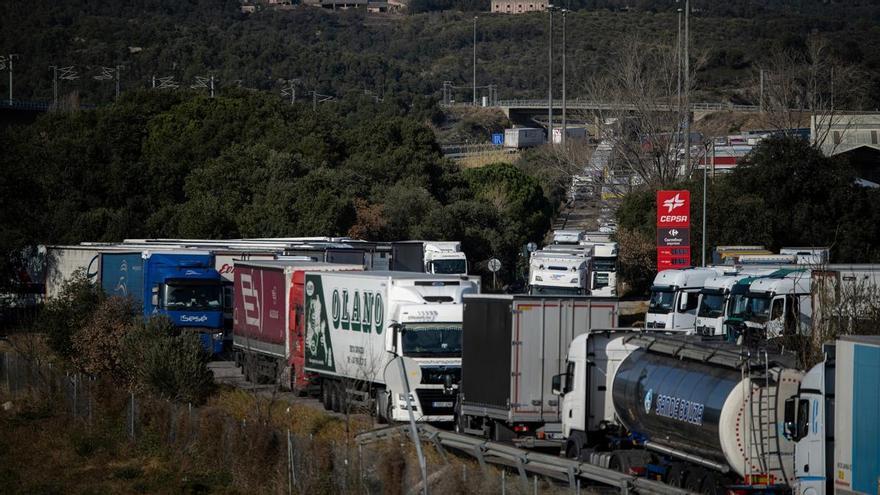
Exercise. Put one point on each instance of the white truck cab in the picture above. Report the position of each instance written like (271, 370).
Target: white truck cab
(445, 257)
(717, 299)
(675, 297)
(777, 305)
(568, 237)
(559, 273)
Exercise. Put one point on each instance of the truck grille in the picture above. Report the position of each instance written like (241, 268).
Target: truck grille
(428, 397)
(656, 325)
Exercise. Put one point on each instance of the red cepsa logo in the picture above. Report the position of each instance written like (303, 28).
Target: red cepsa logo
(673, 208)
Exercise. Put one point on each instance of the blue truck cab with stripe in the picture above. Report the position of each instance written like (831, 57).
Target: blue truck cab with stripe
(184, 286)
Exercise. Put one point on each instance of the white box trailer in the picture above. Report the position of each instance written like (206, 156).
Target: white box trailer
(523, 137)
(62, 261)
(513, 347)
(357, 322)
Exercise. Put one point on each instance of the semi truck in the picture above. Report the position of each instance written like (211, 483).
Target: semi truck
(357, 322)
(602, 266)
(439, 257)
(182, 285)
(720, 295)
(717, 419)
(512, 347)
(268, 325)
(559, 273)
(794, 304)
(675, 297)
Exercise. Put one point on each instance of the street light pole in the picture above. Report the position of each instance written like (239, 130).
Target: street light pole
(687, 86)
(11, 56)
(550, 79)
(564, 123)
(475, 60)
(705, 173)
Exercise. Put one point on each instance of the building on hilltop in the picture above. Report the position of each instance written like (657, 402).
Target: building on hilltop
(518, 6)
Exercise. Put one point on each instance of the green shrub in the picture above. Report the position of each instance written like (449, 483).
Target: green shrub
(64, 315)
(175, 367)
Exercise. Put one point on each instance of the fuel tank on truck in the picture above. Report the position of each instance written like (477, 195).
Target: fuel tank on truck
(719, 414)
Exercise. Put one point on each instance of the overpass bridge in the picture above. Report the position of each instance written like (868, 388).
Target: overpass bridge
(525, 110)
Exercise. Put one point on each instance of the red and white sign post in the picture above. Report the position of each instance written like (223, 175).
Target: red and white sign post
(673, 229)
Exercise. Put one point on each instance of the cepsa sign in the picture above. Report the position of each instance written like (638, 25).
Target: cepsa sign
(673, 209)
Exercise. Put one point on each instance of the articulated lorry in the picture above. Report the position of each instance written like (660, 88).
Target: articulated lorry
(799, 302)
(439, 257)
(717, 419)
(602, 267)
(513, 346)
(182, 285)
(268, 322)
(356, 323)
(559, 273)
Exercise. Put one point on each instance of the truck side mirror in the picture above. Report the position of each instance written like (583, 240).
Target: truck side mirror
(556, 385)
(154, 295)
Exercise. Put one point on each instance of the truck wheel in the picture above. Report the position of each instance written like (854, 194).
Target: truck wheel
(336, 392)
(379, 407)
(713, 485)
(695, 479)
(325, 395)
(675, 475)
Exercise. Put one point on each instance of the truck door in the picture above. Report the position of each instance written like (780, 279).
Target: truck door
(776, 320)
(574, 398)
(809, 427)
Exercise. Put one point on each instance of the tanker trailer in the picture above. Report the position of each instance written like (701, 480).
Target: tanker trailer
(706, 417)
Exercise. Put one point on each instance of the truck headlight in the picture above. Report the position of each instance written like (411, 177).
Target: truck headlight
(217, 336)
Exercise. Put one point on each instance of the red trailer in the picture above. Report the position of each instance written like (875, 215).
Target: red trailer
(268, 326)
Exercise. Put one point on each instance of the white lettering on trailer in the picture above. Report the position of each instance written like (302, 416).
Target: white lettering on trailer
(250, 299)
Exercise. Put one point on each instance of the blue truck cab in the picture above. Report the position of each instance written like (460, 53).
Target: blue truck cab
(184, 286)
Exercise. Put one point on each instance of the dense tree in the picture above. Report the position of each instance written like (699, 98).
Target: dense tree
(248, 166)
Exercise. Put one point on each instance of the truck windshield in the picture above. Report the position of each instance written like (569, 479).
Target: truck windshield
(449, 266)
(661, 300)
(432, 340)
(192, 296)
(756, 309)
(555, 291)
(711, 305)
(604, 264)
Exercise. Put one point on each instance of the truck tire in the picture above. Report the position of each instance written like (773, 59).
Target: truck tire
(675, 475)
(336, 391)
(713, 484)
(325, 395)
(379, 407)
(694, 481)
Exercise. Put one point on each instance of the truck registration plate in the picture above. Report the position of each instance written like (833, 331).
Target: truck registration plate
(442, 404)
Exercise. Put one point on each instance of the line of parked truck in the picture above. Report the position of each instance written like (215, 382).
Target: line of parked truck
(191, 280)
(548, 369)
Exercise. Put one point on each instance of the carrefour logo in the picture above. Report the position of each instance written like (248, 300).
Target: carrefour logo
(357, 311)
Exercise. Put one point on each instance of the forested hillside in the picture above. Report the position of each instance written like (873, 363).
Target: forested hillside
(397, 55)
(248, 165)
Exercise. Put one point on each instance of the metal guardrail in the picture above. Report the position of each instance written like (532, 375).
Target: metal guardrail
(525, 461)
